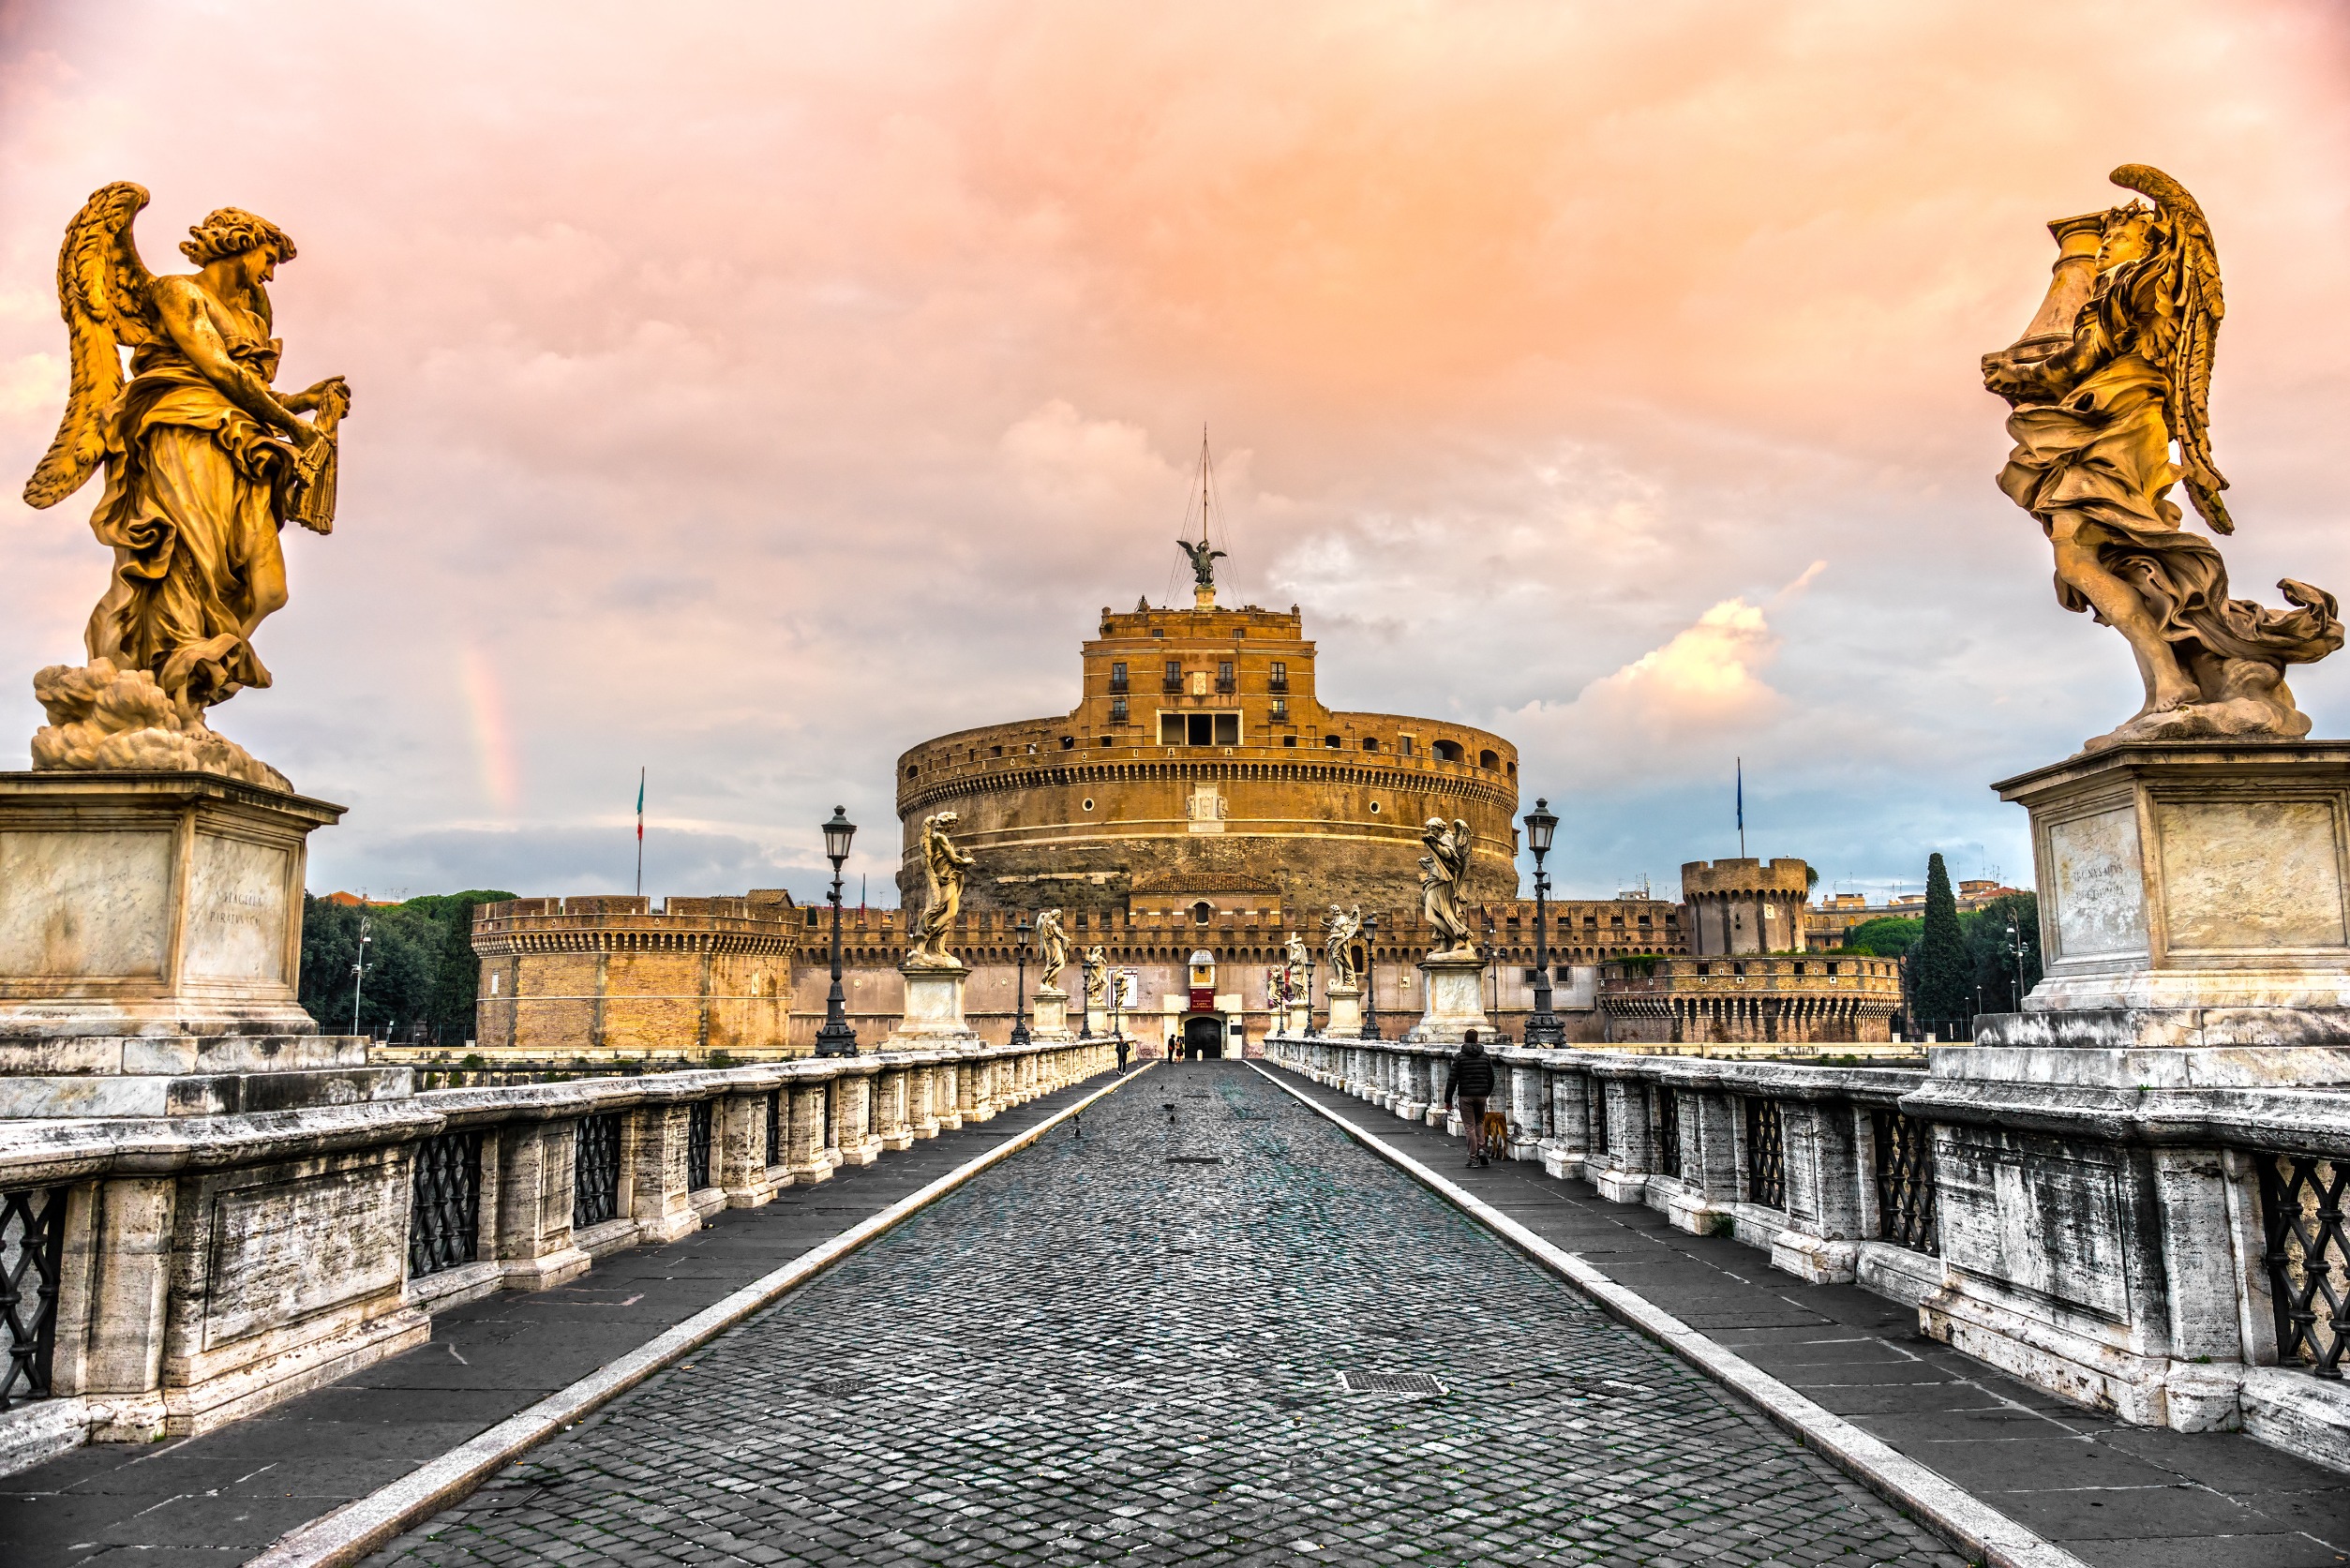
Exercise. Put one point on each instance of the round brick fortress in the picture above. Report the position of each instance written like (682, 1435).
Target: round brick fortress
(1199, 752)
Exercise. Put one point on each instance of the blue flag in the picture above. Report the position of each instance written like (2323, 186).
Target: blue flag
(1742, 793)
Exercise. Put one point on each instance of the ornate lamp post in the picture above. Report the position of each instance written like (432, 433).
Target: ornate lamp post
(1020, 985)
(1543, 1027)
(1310, 990)
(1493, 957)
(836, 1038)
(1370, 977)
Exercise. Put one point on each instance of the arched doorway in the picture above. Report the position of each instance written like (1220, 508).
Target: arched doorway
(1204, 1035)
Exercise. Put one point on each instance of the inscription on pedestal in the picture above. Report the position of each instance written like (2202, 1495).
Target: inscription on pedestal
(2099, 887)
(2250, 874)
(237, 907)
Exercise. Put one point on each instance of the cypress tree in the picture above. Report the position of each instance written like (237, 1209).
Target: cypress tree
(1944, 982)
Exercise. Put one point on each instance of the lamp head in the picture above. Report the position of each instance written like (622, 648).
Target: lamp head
(837, 833)
(1542, 825)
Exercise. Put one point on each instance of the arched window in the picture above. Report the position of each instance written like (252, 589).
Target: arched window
(1489, 759)
(1202, 912)
(1446, 750)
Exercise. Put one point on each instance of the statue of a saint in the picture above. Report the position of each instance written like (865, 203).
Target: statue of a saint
(1440, 870)
(1298, 960)
(205, 462)
(943, 866)
(2116, 369)
(1054, 943)
(1203, 560)
(1338, 945)
(1096, 970)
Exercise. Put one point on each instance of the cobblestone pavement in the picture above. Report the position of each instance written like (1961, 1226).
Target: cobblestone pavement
(1133, 1344)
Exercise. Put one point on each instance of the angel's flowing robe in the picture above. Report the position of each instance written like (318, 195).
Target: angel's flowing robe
(2102, 450)
(196, 491)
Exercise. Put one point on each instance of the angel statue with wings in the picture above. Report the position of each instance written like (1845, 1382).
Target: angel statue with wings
(205, 462)
(1203, 560)
(1440, 870)
(1096, 970)
(1337, 946)
(2114, 370)
(1054, 943)
(943, 866)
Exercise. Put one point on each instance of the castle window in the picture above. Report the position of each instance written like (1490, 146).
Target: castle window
(1117, 714)
(1202, 912)
(1280, 710)
(812, 917)
(994, 750)
(1280, 681)
(1068, 742)
(1374, 807)
(1087, 806)
(1446, 750)
(1105, 740)
(1332, 742)
(1289, 740)
(1370, 742)
(1172, 679)
(493, 982)
(1403, 745)
(1159, 631)
(1223, 676)
(1489, 759)
(911, 770)
(1118, 676)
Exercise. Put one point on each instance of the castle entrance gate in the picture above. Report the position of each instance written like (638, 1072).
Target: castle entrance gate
(1204, 1035)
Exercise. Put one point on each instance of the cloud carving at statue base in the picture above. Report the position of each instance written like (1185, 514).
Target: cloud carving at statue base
(105, 718)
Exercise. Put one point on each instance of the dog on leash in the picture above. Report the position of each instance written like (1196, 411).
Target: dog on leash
(1496, 1133)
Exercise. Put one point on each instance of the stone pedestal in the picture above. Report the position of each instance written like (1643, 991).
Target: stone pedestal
(934, 1010)
(1456, 999)
(1346, 1012)
(1049, 1015)
(150, 944)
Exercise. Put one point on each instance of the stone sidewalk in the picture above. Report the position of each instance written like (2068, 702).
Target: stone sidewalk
(220, 1497)
(2113, 1495)
(1209, 1330)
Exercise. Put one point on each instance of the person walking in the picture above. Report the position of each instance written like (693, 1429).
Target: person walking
(1121, 1054)
(1470, 1079)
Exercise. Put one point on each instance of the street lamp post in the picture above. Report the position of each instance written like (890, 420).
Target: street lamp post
(1543, 1027)
(359, 972)
(1020, 984)
(2015, 957)
(1310, 992)
(1370, 977)
(836, 1038)
(1493, 957)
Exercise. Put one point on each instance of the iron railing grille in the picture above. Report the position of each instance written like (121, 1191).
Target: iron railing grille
(1905, 1181)
(595, 1171)
(2307, 1258)
(444, 1209)
(32, 1259)
(827, 1136)
(774, 1127)
(1595, 1114)
(1668, 1132)
(873, 1106)
(1766, 1153)
(697, 1123)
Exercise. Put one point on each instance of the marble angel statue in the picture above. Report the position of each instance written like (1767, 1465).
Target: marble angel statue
(1338, 945)
(1440, 870)
(1053, 943)
(205, 460)
(943, 866)
(2114, 371)
(1096, 970)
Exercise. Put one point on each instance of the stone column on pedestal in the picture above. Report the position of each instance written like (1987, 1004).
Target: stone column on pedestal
(1049, 1015)
(1456, 999)
(933, 1007)
(1346, 1012)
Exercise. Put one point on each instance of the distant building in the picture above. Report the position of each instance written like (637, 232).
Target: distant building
(1825, 923)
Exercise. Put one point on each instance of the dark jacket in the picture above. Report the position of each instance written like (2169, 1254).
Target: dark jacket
(1471, 1078)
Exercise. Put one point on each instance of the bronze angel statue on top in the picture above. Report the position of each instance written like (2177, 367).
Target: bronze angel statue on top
(205, 462)
(2116, 368)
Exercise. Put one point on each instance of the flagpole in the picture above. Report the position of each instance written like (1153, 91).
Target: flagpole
(1741, 807)
(641, 832)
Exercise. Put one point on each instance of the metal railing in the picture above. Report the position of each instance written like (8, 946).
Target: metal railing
(595, 1171)
(698, 1118)
(2307, 1258)
(1766, 1153)
(1595, 1114)
(1668, 1131)
(774, 1127)
(32, 1261)
(444, 1210)
(1905, 1181)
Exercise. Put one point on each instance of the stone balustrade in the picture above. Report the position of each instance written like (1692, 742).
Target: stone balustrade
(160, 1277)
(1991, 1207)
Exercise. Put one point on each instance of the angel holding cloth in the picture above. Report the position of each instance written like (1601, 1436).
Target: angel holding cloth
(205, 462)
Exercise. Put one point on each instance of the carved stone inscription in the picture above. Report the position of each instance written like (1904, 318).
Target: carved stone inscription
(83, 905)
(236, 911)
(2250, 874)
(2099, 884)
(2033, 1218)
(281, 1252)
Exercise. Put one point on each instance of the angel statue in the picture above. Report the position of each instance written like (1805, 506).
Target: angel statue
(1096, 970)
(1054, 942)
(1343, 926)
(2115, 369)
(1203, 560)
(943, 866)
(205, 463)
(1440, 870)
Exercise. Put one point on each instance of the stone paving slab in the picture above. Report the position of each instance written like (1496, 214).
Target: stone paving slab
(224, 1496)
(2202, 1499)
(1161, 1342)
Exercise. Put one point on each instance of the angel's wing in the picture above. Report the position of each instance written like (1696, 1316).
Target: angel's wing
(103, 294)
(2186, 332)
(1462, 837)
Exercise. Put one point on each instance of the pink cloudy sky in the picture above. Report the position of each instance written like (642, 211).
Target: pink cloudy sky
(753, 391)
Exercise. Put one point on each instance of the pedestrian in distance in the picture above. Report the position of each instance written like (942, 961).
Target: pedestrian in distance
(1121, 1054)
(1469, 1080)
(1171, 1048)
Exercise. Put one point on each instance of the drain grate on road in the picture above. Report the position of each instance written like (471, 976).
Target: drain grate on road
(1389, 1382)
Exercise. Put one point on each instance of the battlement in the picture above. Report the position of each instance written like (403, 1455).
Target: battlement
(1730, 875)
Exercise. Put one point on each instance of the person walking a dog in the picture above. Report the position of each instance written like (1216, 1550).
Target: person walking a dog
(1469, 1080)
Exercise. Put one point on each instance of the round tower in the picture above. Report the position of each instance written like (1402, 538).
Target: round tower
(1745, 906)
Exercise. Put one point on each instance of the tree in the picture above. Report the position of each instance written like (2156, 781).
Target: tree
(1989, 955)
(1886, 936)
(1942, 972)
(420, 968)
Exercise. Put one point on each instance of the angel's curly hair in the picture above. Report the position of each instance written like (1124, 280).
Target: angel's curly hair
(227, 231)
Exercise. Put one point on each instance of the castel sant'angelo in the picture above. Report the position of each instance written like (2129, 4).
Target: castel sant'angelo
(1200, 766)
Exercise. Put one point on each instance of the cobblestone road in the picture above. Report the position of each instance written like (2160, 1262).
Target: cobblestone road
(1132, 1346)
